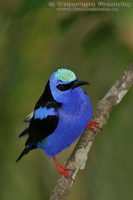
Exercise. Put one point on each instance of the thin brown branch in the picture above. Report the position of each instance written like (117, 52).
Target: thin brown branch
(78, 158)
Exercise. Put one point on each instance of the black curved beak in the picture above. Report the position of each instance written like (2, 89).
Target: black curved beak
(79, 83)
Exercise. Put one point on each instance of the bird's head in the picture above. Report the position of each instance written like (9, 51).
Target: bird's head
(62, 83)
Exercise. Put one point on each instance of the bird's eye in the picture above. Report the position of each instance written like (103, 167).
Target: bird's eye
(61, 87)
(64, 87)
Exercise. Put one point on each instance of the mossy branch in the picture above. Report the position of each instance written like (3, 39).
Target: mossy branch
(78, 158)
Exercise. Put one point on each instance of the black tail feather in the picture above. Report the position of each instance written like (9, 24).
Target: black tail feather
(25, 151)
(24, 133)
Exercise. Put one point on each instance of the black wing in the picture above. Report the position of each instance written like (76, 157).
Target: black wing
(40, 129)
(46, 98)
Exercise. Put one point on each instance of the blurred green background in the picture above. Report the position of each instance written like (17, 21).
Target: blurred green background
(36, 40)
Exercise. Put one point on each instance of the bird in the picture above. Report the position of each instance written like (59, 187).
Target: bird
(60, 115)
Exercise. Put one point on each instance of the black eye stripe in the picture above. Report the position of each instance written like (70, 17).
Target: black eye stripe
(64, 87)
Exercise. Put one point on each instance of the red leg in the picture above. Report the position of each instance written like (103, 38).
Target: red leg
(94, 124)
(63, 170)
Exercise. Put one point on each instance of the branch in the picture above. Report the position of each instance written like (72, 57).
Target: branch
(78, 158)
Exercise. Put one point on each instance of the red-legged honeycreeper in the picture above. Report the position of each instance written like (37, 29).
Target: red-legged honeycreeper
(60, 115)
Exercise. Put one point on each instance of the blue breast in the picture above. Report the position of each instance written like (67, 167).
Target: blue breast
(73, 119)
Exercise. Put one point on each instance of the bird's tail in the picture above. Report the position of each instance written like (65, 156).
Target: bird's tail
(24, 134)
(26, 150)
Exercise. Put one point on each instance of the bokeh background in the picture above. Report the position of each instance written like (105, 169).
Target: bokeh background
(36, 40)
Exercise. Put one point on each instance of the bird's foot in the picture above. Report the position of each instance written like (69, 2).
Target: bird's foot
(63, 170)
(94, 124)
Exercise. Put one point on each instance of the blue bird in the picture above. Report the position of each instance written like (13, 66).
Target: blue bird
(60, 115)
